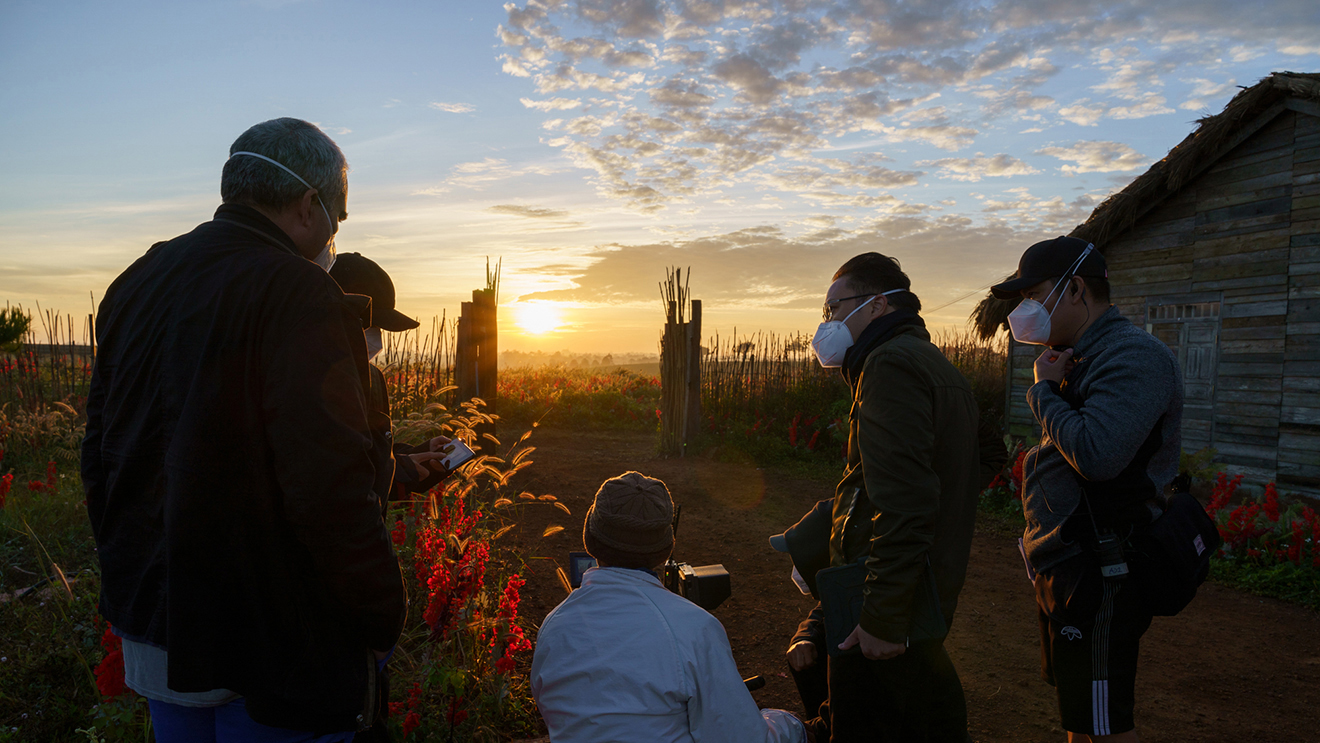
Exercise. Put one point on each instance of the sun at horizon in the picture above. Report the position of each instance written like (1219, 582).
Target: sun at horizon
(537, 318)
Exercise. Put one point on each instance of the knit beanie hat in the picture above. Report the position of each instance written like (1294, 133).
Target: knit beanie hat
(633, 514)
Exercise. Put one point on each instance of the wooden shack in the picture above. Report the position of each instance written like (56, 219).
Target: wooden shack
(1216, 251)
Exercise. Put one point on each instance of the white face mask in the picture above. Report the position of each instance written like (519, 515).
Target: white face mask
(1029, 321)
(833, 338)
(800, 582)
(326, 258)
(375, 342)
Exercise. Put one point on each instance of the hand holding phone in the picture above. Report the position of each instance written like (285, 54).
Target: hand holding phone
(445, 456)
(456, 454)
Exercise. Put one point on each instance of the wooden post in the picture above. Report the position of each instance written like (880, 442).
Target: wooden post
(464, 377)
(487, 349)
(476, 354)
(680, 366)
(692, 412)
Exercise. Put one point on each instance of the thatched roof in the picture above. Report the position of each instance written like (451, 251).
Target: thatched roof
(1213, 138)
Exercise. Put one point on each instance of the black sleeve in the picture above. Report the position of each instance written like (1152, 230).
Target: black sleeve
(812, 629)
(405, 475)
(315, 408)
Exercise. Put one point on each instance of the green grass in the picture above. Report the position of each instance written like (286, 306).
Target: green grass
(1286, 581)
(50, 643)
(1000, 516)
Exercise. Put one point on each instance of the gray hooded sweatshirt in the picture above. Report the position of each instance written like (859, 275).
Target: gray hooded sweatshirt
(1126, 407)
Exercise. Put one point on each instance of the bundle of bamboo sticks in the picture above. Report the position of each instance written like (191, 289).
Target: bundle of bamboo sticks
(674, 361)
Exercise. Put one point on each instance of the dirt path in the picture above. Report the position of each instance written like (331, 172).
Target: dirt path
(1232, 667)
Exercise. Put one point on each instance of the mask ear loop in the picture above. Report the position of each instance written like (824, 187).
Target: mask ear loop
(859, 307)
(1067, 276)
(286, 169)
(1072, 273)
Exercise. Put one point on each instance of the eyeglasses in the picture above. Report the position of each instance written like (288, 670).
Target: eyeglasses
(827, 309)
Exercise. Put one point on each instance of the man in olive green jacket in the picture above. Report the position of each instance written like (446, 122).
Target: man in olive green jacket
(907, 500)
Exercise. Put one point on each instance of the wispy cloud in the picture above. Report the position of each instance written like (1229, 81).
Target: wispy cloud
(553, 104)
(453, 108)
(976, 168)
(477, 175)
(1204, 91)
(531, 212)
(1097, 157)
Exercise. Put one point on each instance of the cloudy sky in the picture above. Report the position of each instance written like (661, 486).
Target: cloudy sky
(590, 144)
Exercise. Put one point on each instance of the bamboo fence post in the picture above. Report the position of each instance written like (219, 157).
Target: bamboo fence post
(692, 410)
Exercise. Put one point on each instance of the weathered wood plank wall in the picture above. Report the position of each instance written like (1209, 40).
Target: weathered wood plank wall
(1244, 234)
(1299, 423)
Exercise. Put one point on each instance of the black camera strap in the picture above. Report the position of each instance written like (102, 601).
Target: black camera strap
(1109, 548)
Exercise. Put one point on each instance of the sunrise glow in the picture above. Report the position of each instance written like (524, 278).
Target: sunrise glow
(536, 318)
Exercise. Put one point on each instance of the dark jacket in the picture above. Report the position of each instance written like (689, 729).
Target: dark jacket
(229, 475)
(396, 478)
(913, 473)
(1115, 428)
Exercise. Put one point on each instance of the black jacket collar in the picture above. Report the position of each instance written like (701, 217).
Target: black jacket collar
(256, 223)
(879, 331)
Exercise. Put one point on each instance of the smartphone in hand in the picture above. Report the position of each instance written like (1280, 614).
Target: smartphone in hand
(456, 455)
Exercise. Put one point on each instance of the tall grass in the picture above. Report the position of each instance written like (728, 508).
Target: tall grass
(58, 370)
(578, 398)
(419, 365)
(43, 392)
(768, 394)
(982, 362)
(741, 375)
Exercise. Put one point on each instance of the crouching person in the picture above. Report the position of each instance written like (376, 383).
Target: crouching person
(623, 659)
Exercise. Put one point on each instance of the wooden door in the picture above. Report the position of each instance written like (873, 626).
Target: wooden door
(1191, 330)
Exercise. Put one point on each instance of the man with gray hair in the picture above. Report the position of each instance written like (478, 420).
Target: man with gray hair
(228, 469)
(623, 659)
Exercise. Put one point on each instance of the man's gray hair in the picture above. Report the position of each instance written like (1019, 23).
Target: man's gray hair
(297, 145)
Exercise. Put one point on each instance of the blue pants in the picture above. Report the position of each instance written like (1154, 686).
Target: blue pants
(228, 723)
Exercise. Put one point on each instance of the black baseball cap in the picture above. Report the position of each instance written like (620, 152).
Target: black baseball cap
(356, 274)
(1051, 259)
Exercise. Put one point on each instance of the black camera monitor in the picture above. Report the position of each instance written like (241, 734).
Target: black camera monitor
(579, 563)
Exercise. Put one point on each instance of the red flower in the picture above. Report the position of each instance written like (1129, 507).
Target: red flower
(1015, 475)
(456, 716)
(1271, 502)
(5, 482)
(50, 475)
(36, 485)
(450, 581)
(1295, 548)
(410, 723)
(399, 533)
(1223, 492)
(508, 638)
(412, 719)
(811, 445)
(110, 671)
